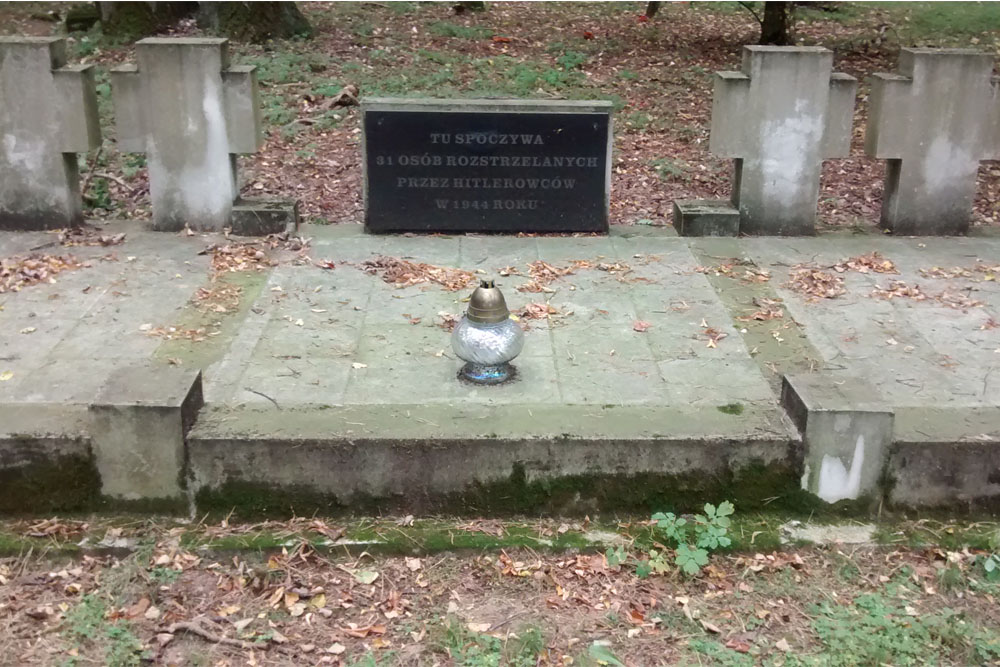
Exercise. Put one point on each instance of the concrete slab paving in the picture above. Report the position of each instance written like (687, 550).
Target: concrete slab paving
(342, 389)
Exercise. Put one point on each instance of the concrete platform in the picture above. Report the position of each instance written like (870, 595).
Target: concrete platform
(331, 389)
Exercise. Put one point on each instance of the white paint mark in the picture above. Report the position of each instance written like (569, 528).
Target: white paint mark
(836, 482)
(788, 150)
(948, 166)
(203, 187)
(24, 154)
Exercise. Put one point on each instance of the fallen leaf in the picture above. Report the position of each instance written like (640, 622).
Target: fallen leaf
(738, 645)
(6, 375)
(138, 609)
(336, 648)
(640, 326)
(242, 624)
(366, 576)
(402, 273)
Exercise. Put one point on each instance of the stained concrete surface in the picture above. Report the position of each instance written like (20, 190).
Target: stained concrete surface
(321, 382)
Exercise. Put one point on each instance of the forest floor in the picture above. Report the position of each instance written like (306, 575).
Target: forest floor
(658, 72)
(488, 592)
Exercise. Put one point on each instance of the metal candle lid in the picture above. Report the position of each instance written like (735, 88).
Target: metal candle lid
(487, 305)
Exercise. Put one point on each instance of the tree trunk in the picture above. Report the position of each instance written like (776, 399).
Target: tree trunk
(462, 7)
(132, 20)
(776, 26)
(254, 21)
(651, 8)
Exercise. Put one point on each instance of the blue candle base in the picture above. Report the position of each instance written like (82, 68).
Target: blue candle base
(480, 374)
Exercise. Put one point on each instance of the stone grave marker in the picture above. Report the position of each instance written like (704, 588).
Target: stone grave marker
(191, 113)
(779, 118)
(48, 114)
(486, 165)
(933, 123)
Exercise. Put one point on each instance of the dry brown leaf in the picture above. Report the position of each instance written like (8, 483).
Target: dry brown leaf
(873, 262)
(19, 272)
(88, 236)
(815, 283)
(403, 273)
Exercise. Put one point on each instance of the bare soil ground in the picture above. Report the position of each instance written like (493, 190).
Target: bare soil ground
(181, 594)
(658, 72)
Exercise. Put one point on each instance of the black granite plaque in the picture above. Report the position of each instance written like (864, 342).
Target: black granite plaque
(430, 170)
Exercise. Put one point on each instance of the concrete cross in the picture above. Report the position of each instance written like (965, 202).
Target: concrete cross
(48, 113)
(933, 122)
(191, 113)
(780, 118)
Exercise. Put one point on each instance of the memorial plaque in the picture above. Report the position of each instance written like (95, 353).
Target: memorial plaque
(486, 165)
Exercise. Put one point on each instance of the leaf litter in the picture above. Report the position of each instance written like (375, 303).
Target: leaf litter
(19, 272)
(737, 269)
(402, 273)
(295, 604)
(86, 235)
(814, 282)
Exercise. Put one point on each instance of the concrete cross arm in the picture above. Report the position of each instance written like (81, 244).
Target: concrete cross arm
(242, 104)
(729, 101)
(129, 122)
(888, 123)
(77, 108)
(38, 89)
(839, 116)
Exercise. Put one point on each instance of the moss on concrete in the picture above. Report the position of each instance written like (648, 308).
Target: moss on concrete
(176, 506)
(756, 486)
(251, 500)
(64, 484)
(204, 353)
(779, 346)
(70, 483)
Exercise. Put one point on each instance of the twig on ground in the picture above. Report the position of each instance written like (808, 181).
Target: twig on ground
(194, 628)
(259, 393)
(112, 177)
